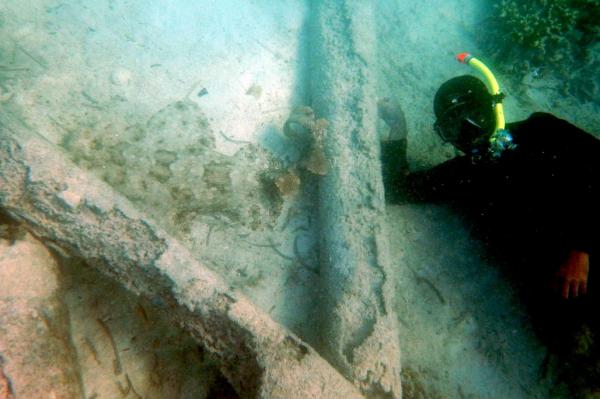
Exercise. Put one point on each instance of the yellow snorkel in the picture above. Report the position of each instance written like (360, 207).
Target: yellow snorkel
(500, 139)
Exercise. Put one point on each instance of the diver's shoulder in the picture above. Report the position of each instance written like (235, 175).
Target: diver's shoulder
(543, 116)
(547, 124)
(540, 119)
(550, 121)
(543, 129)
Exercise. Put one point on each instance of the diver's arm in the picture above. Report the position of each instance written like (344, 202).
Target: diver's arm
(447, 181)
(580, 196)
(394, 168)
(581, 227)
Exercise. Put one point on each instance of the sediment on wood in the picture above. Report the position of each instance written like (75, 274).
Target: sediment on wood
(358, 328)
(72, 211)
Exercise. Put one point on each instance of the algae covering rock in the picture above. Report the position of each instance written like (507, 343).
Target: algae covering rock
(547, 35)
(169, 167)
(550, 29)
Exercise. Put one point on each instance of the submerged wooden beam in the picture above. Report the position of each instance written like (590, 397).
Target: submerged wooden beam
(359, 333)
(73, 211)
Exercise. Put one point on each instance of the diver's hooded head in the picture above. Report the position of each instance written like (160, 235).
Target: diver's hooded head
(464, 113)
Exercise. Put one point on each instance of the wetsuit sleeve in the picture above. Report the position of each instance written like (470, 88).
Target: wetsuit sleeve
(448, 181)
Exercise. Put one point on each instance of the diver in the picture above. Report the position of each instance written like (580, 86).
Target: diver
(532, 184)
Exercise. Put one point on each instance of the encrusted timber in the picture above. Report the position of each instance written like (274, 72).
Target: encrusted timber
(71, 210)
(359, 332)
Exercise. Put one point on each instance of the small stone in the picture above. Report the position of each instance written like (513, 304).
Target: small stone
(161, 173)
(121, 77)
(70, 199)
(255, 91)
(165, 157)
(5, 94)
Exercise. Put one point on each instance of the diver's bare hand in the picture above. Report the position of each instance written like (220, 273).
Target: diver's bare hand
(573, 274)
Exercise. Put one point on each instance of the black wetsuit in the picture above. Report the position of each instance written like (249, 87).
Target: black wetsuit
(531, 206)
(541, 196)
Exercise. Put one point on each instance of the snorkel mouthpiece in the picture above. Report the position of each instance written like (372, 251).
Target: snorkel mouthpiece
(501, 139)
